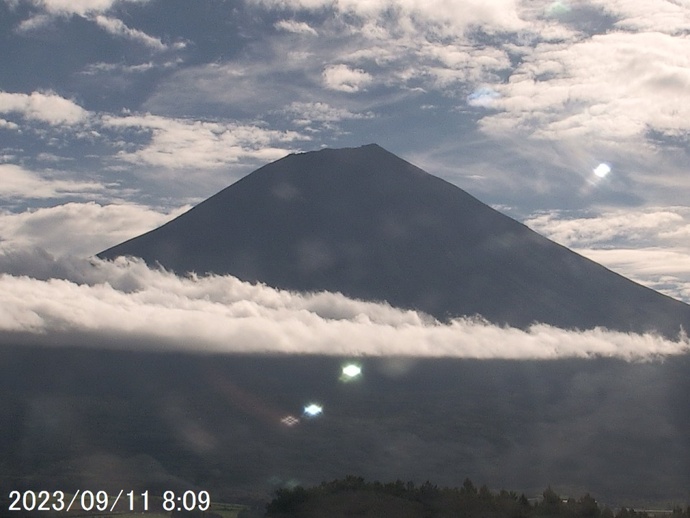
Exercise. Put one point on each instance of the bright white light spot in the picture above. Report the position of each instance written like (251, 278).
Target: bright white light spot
(313, 410)
(602, 170)
(352, 370)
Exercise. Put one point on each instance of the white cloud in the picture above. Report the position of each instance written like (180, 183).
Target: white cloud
(18, 182)
(345, 79)
(668, 225)
(96, 68)
(613, 87)
(80, 7)
(306, 113)
(500, 15)
(296, 27)
(408, 50)
(117, 27)
(596, 72)
(183, 143)
(34, 23)
(399, 58)
(46, 107)
(126, 304)
(93, 10)
(671, 17)
(79, 229)
(4, 124)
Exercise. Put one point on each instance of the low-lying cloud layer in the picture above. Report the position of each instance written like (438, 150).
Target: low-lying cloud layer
(126, 304)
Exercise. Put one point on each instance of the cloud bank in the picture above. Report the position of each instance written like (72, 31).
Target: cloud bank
(125, 304)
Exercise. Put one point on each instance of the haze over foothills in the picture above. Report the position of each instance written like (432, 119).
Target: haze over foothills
(116, 116)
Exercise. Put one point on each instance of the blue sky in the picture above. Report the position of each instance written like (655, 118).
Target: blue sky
(117, 115)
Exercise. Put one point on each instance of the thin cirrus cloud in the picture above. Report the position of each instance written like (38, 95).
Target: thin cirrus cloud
(125, 304)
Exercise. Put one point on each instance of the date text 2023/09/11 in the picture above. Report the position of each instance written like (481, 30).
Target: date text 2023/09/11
(102, 501)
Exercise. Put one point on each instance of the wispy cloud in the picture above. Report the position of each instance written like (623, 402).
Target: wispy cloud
(312, 113)
(117, 27)
(667, 225)
(164, 146)
(18, 182)
(182, 143)
(296, 27)
(120, 68)
(126, 304)
(498, 14)
(95, 11)
(358, 56)
(81, 7)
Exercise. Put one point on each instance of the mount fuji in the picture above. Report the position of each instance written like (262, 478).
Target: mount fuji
(366, 223)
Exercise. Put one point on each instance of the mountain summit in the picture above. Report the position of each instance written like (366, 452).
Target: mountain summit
(370, 225)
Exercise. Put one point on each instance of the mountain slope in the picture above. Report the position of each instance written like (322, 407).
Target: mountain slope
(368, 224)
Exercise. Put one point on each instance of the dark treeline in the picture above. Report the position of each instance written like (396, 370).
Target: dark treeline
(353, 496)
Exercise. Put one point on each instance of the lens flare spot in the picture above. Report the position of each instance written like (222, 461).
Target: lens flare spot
(289, 420)
(602, 170)
(352, 371)
(313, 410)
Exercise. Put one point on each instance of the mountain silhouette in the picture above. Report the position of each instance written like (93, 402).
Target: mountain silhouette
(366, 223)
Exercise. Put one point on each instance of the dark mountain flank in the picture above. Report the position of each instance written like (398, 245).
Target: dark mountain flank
(368, 224)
